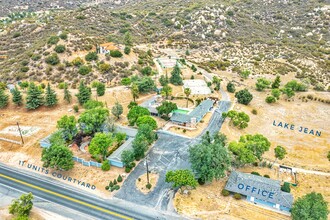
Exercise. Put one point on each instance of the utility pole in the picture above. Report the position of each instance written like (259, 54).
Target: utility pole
(147, 168)
(20, 132)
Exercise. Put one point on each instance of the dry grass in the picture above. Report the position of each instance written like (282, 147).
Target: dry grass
(141, 185)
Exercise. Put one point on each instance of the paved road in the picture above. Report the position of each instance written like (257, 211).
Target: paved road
(71, 198)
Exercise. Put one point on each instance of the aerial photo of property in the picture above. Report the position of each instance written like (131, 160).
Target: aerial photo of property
(164, 110)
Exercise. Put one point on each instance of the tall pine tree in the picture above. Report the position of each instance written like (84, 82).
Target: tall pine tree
(17, 96)
(84, 93)
(51, 98)
(67, 95)
(34, 97)
(3, 98)
(176, 79)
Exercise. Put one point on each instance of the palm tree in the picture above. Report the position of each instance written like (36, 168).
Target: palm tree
(187, 91)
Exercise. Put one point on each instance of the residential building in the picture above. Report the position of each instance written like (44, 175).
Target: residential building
(106, 48)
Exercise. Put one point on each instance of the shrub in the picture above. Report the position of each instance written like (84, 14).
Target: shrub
(127, 169)
(64, 36)
(237, 196)
(107, 188)
(91, 56)
(78, 62)
(116, 187)
(255, 173)
(59, 48)
(201, 181)
(105, 165)
(111, 184)
(329, 155)
(119, 179)
(115, 53)
(84, 70)
(25, 69)
(270, 99)
(231, 87)
(62, 85)
(76, 108)
(244, 97)
(114, 182)
(127, 50)
(52, 59)
(148, 186)
(254, 111)
(139, 179)
(267, 176)
(35, 57)
(53, 40)
(16, 34)
(286, 187)
(225, 192)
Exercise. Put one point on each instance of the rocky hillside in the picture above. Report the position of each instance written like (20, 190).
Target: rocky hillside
(265, 36)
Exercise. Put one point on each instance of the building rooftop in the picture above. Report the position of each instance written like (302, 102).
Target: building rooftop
(262, 188)
(198, 113)
(109, 46)
(116, 156)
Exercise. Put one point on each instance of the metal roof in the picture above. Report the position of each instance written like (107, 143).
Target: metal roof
(258, 187)
(198, 113)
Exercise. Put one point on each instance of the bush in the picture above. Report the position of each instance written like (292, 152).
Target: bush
(254, 111)
(52, 59)
(148, 186)
(328, 156)
(78, 62)
(115, 53)
(84, 70)
(76, 108)
(107, 188)
(114, 182)
(110, 184)
(244, 97)
(139, 179)
(64, 36)
(127, 169)
(53, 40)
(62, 85)
(286, 187)
(266, 176)
(237, 196)
(35, 57)
(127, 50)
(91, 56)
(116, 187)
(105, 165)
(255, 173)
(119, 179)
(231, 87)
(25, 69)
(16, 34)
(270, 99)
(59, 48)
(201, 181)
(225, 192)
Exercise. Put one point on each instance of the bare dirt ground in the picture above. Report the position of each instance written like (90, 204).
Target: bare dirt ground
(206, 202)
(36, 214)
(304, 150)
(46, 118)
(141, 185)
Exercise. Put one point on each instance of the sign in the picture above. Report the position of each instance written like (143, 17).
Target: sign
(300, 129)
(255, 190)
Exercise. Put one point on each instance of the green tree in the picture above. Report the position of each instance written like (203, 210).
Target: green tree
(52, 59)
(84, 70)
(68, 126)
(63, 36)
(276, 93)
(3, 99)
(105, 165)
(163, 80)
(90, 104)
(91, 56)
(231, 87)
(140, 146)
(116, 53)
(100, 144)
(78, 62)
(128, 41)
(91, 120)
(34, 98)
(146, 71)
(146, 84)
(286, 187)
(67, 95)
(250, 148)
(100, 89)
(277, 82)
(175, 78)
(120, 138)
(181, 178)
(136, 112)
(127, 50)
(166, 91)
(21, 207)
(58, 157)
(245, 74)
(127, 157)
(280, 152)
(84, 93)
(24, 84)
(288, 91)
(53, 40)
(146, 119)
(135, 91)
(117, 110)
(59, 49)
(104, 68)
(146, 131)
(239, 119)
(262, 84)
(187, 92)
(51, 97)
(17, 96)
(210, 158)
(166, 108)
(244, 97)
(57, 139)
(126, 81)
(270, 99)
(311, 206)
(131, 105)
